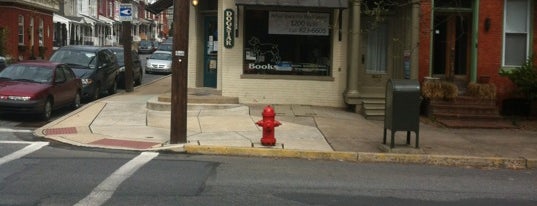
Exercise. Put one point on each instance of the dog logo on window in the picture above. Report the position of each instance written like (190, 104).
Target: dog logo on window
(262, 49)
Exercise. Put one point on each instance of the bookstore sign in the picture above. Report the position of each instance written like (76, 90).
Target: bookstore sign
(229, 28)
(299, 23)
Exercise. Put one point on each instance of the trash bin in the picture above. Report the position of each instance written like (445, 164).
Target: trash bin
(402, 108)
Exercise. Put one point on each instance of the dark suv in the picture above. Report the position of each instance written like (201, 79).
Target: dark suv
(97, 67)
(3, 63)
(137, 71)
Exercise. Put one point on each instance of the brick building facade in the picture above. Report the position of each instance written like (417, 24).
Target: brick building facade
(28, 27)
(487, 50)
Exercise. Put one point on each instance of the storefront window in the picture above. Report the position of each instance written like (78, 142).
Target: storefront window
(287, 43)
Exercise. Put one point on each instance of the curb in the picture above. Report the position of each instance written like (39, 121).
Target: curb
(440, 160)
(531, 163)
(268, 152)
(446, 160)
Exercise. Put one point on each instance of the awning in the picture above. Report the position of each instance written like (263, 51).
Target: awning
(60, 18)
(144, 21)
(91, 20)
(106, 20)
(332, 4)
(159, 6)
(76, 19)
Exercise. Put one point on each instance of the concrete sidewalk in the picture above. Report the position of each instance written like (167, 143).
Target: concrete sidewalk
(123, 121)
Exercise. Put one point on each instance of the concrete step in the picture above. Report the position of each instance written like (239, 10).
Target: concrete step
(464, 100)
(373, 107)
(483, 124)
(464, 109)
(155, 104)
(467, 116)
(202, 98)
(374, 114)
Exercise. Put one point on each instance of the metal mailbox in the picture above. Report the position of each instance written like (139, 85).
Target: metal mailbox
(402, 108)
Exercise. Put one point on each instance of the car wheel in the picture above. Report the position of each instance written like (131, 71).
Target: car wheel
(96, 92)
(76, 101)
(113, 88)
(47, 110)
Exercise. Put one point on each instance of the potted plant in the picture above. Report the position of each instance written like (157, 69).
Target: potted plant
(436, 90)
(525, 80)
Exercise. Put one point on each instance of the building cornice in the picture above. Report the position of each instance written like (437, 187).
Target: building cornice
(47, 5)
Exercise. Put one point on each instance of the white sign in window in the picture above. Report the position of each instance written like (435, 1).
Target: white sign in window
(299, 23)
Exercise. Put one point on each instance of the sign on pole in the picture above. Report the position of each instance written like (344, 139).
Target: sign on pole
(125, 12)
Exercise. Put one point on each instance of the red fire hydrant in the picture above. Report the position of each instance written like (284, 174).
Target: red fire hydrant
(268, 123)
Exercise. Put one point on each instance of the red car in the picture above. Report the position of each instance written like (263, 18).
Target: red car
(38, 87)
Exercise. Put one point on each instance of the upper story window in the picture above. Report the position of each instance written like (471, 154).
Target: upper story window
(32, 31)
(21, 30)
(102, 7)
(73, 7)
(110, 9)
(516, 32)
(41, 33)
(92, 10)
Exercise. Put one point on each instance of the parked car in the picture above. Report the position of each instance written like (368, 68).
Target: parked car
(97, 67)
(137, 71)
(156, 44)
(169, 40)
(160, 62)
(3, 63)
(146, 47)
(165, 47)
(38, 87)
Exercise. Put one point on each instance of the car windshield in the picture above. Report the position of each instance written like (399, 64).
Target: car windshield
(27, 73)
(145, 43)
(161, 56)
(75, 57)
(120, 57)
(165, 47)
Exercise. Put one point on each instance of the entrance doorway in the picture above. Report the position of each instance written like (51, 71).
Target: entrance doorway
(211, 51)
(451, 47)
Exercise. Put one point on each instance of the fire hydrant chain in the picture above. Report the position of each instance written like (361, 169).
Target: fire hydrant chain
(268, 123)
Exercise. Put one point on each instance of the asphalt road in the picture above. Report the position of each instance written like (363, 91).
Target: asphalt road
(42, 174)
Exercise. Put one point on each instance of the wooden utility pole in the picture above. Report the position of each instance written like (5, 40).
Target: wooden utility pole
(181, 12)
(127, 52)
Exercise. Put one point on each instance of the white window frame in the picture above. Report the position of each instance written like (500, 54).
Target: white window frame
(41, 33)
(32, 31)
(110, 9)
(21, 30)
(506, 33)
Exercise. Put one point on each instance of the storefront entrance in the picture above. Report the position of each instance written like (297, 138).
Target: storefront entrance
(210, 52)
(451, 52)
(452, 40)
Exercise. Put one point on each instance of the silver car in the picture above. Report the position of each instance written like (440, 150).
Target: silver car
(159, 62)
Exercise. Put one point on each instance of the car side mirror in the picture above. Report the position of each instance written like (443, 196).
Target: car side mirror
(59, 81)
